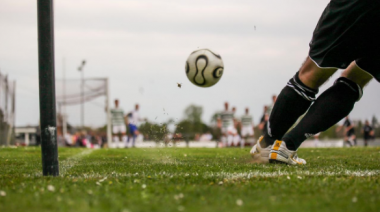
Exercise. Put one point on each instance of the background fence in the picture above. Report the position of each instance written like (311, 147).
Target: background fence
(7, 110)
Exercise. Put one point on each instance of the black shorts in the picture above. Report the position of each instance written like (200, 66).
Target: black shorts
(348, 30)
(350, 132)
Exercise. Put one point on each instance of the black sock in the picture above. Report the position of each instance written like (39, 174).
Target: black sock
(293, 101)
(333, 105)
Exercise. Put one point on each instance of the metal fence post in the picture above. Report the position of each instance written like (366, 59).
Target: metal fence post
(47, 88)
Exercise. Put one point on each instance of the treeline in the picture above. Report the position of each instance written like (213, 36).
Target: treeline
(186, 129)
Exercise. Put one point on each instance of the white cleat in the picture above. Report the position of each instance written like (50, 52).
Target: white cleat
(259, 154)
(280, 154)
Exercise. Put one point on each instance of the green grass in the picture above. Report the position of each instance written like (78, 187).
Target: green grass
(189, 180)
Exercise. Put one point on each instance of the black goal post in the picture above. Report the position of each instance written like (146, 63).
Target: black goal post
(47, 88)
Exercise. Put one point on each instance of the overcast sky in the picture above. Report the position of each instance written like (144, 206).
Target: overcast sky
(142, 46)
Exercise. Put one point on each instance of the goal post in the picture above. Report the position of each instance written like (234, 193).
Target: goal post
(69, 93)
(109, 132)
(49, 147)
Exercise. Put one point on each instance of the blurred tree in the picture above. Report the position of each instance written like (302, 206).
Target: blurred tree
(214, 130)
(374, 122)
(193, 114)
(214, 118)
(192, 123)
(3, 129)
(358, 129)
(156, 132)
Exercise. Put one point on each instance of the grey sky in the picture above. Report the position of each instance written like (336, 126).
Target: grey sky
(142, 47)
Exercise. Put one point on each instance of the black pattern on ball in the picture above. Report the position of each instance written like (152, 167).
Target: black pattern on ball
(217, 73)
(187, 68)
(202, 71)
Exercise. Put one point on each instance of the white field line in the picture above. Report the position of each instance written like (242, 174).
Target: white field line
(72, 161)
(248, 175)
(235, 175)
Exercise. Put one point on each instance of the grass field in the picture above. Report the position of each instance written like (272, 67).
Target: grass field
(170, 179)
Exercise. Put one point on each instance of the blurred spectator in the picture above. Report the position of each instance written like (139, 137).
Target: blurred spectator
(206, 137)
(368, 132)
(118, 123)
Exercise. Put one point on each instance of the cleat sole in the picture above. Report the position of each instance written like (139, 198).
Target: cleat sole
(274, 161)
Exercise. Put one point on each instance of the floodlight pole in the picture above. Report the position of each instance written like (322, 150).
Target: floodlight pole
(80, 68)
(64, 123)
(47, 88)
(108, 111)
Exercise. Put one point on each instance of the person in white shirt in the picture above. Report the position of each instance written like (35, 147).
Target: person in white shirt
(226, 124)
(118, 123)
(246, 127)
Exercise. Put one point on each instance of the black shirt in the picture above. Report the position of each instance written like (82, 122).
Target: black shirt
(367, 130)
(347, 123)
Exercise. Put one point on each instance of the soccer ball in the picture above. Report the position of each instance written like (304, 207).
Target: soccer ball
(204, 68)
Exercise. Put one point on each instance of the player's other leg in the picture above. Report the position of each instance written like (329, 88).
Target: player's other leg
(350, 138)
(230, 136)
(115, 134)
(330, 107)
(365, 141)
(247, 133)
(235, 137)
(119, 135)
(134, 133)
(223, 138)
(353, 138)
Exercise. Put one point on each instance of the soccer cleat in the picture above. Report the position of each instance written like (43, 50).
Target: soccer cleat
(259, 154)
(280, 154)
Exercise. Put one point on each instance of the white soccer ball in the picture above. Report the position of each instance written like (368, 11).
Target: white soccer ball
(204, 68)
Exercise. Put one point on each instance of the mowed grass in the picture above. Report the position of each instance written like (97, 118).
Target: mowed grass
(173, 179)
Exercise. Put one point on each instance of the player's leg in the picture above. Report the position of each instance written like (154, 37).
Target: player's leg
(249, 135)
(223, 138)
(230, 136)
(134, 138)
(135, 133)
(347, 140)
(295, 98)
(242, 141)
(243, 136)
(115, 132)
(230, 139)
(353, 138)
(235, 137)
(331, 106)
